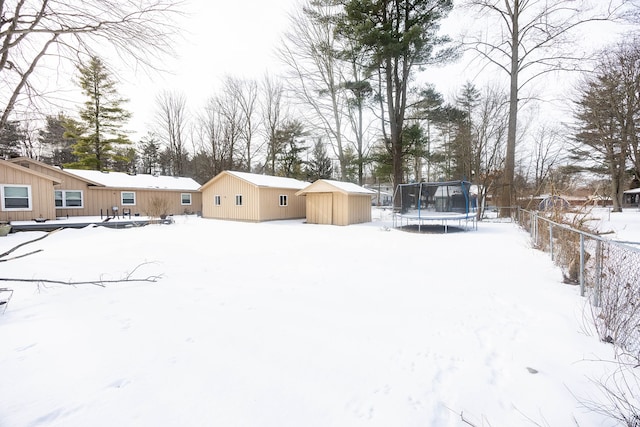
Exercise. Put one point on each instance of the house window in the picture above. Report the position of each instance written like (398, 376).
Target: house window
(128, 198)
(68, 199)
(16, 197)
(185, 199)
(238, 199)
(216, 200)
(284, 200)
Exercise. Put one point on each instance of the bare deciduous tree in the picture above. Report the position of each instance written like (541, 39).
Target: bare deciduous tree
(241, 97)
(311, 52)
(274, 116)
(529, 39)
(171, 118)
(31, 31)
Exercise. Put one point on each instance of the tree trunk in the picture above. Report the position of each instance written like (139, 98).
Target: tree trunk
(507, 198)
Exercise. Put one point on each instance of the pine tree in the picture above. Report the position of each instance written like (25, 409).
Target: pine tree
(58, 147)
(96, 145)
(319, 166)
(396, 39)
(150, 154)
(289, 162)
(11, 137)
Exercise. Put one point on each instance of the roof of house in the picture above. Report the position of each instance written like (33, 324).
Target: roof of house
(633, 191)
(327, 185)
(27, 170)
(262, 180)
(118, 179)
(139, 181)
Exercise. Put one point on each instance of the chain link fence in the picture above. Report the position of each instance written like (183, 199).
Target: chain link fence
(607, 272)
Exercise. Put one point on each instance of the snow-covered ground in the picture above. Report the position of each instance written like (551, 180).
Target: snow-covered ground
(290, 324)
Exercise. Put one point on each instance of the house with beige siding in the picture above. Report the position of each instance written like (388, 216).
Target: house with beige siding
(25, 194)
(337, 203)
(92, 193)
(244, 196)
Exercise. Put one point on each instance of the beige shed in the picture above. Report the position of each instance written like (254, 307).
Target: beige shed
(244, 196)
(337, 203)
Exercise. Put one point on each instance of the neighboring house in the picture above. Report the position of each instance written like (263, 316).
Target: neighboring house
(92, 193)
(337, 203)
(25, 194)
(244, 196)
(632, 197)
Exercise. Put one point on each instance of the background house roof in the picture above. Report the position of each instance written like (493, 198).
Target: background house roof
(140, 181)
(270, 181)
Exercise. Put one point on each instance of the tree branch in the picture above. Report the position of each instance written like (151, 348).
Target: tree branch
(3, 255)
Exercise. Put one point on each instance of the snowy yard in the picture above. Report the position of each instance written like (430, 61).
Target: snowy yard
(289, 324)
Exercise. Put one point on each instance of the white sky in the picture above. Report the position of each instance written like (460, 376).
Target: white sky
(224, 38)
(221, 38)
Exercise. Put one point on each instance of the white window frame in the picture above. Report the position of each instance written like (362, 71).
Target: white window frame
(284, 200)
(182, 199)
(217, 200)
(64, 199)
(122, 193)
(238, 199)
(3, 187)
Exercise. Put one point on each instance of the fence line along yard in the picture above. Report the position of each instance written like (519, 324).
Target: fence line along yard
(607, 272)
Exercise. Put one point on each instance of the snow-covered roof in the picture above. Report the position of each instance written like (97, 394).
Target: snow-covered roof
(141, 181)
(270, 181)
(349, 187)
(633, 191)
(327, 185)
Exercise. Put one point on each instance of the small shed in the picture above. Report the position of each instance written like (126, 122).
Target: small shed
(244, 196)
(337, 203)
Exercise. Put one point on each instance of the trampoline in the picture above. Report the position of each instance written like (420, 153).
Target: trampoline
(441, 203)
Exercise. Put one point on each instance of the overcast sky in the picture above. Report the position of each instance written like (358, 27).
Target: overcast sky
(238, 38)
(220, 38)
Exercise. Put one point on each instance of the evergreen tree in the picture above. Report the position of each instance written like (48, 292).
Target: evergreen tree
(465, 142)
(11, 137)
(150, 154)
(395, 38)
(319, 166)
(58, 147)
(103, 117)
(288, 138)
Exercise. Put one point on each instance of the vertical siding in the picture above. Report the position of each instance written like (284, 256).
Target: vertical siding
(270, 208)
(227, 187)
(259, 203)
(97, 199)
(359, 209)
(319, 208)
(338, 208)
(100, 198)
(42, 196)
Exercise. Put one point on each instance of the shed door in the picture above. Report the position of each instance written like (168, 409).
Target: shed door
(321, 211)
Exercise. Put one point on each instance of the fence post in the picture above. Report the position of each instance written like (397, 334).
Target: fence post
(581, 272)
(596, 301)
(551, 240)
